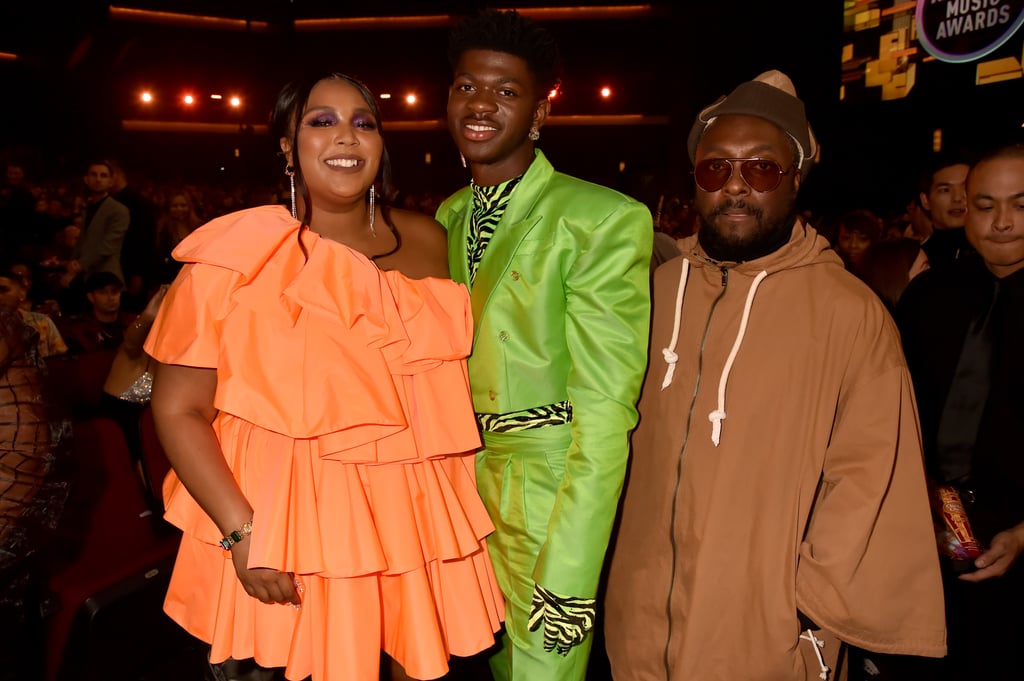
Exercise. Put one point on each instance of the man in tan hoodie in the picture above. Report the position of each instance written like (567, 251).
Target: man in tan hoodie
(776, 510)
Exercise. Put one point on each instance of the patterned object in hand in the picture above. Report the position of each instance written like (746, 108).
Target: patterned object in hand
(566, 620)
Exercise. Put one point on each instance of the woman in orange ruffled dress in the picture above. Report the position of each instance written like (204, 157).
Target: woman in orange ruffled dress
(312, 398)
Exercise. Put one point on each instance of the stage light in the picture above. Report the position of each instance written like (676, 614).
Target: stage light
(553, 93)
(385, 95)
(606, 92)
(146, 97)
(189, 100)
(410, 99)
(216, 96)
(235, 102)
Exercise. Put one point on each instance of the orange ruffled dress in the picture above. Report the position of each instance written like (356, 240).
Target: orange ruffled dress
(344, 412)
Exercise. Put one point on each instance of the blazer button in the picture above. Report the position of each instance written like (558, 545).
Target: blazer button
(515, 275)
(492, 395)
(503, 336)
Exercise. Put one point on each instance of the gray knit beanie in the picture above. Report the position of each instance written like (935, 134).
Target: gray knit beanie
(770, 96)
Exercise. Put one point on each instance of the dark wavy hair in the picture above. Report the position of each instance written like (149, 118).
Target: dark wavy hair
(288, 109)
(509, 32)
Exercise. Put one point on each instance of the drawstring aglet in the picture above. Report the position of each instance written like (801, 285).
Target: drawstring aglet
(817, 644)
(670, 359)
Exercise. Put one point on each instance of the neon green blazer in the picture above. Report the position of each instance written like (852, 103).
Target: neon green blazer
(561, 309)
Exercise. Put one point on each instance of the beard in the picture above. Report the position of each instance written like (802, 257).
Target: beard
(767, 238)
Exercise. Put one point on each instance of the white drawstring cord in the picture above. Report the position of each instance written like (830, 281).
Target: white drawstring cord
(669, 353)
(718, 415)
(817, 644)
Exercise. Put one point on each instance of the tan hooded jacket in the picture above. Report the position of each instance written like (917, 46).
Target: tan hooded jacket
(808, 494)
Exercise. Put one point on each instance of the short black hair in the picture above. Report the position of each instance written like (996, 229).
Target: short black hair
(1014, 150)
(100, 279)
(7, 272)
(510, 32)
(100, 162)
(936, 162)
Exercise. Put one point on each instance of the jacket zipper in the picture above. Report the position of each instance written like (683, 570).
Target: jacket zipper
(679, 469)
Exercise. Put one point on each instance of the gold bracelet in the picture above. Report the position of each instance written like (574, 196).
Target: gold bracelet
(238, 535)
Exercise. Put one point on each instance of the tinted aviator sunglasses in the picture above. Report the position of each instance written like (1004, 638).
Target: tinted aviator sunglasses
(761, 174)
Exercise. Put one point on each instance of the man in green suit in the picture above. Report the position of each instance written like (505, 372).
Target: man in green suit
(559, 274)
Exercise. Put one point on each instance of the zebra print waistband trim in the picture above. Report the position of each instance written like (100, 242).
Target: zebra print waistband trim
(537, 417)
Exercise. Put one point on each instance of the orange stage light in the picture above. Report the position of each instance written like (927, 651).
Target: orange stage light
(187, 20)
(592, 12)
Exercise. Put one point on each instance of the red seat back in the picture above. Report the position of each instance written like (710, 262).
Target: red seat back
(117, 536)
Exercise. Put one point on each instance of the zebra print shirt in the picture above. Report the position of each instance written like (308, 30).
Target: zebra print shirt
(489, 204)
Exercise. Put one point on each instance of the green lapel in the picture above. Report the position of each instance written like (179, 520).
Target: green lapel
(519, 220)
(457, 227)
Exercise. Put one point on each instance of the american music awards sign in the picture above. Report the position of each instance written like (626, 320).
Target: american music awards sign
(965, 30)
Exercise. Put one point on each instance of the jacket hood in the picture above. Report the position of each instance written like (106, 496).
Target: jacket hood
(805, 248)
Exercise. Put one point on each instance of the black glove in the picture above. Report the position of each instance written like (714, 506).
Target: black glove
(566, 620)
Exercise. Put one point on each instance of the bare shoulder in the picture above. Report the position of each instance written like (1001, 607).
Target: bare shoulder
(424, 251)
(420, 227)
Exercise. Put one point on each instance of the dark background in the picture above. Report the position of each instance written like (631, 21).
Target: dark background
(80, 71)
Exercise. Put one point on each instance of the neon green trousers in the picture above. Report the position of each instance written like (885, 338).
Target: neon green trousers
(518, 475)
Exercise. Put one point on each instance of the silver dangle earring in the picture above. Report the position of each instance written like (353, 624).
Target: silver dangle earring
(372, 211)
(290, 172)
(463, 160)
(534, 134)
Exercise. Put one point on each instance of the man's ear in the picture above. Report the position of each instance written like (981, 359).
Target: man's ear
(540, 114)
(924, 202)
